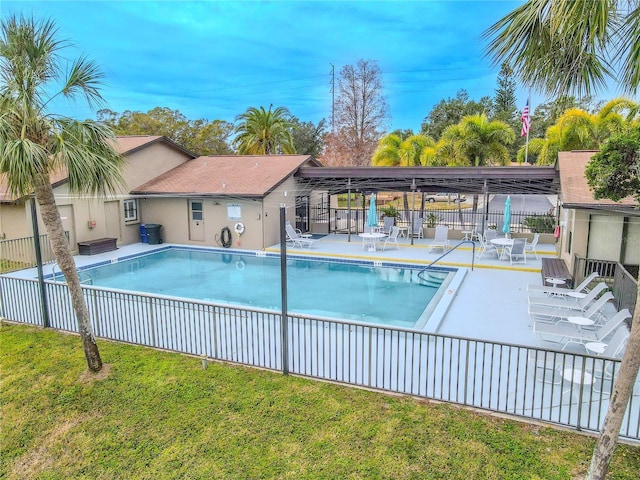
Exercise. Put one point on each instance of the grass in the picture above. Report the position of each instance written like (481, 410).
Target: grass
(158, 415)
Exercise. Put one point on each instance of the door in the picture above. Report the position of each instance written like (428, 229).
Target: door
(112, 219)
(605, 237)
(302, 213)
(196, 222)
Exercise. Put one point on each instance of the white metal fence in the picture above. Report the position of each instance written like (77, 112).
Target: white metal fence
(547, 385)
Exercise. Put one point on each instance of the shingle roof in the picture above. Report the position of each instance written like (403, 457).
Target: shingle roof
(573, 183)
(124, 145)
(226, 175)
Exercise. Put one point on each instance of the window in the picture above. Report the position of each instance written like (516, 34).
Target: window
(130, 210)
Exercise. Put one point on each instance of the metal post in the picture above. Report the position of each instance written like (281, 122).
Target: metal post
(44, 305)
(349, 210)
(284, 323)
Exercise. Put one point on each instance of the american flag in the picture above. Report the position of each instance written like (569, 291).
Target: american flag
(526, 120)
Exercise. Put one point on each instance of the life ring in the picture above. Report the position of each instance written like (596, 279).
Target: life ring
(239, 228)
(556, 232)
(240, 265)
(225, 237)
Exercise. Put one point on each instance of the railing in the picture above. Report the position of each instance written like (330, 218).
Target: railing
(337, 218)
(19, 253)
(622, 282)
(534, 383)
(447, 252)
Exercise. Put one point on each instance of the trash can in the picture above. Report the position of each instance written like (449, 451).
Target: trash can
(143, 233)
(153, 233)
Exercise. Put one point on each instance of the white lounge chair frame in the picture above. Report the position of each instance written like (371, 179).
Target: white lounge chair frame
(581, 304)
(567, 333)
(563, 291)
(553, 314)
(296, 239)
(531, 247)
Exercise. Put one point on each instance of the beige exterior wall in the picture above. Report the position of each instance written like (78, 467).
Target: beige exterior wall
(15, 221)
(140, 167)
(261, 218)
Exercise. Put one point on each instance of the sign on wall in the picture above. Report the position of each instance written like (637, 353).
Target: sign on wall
(234, 211)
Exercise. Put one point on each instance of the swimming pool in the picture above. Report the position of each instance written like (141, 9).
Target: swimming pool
(390, 294)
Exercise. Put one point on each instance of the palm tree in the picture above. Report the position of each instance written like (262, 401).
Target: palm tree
(392, 151)
(35, 143)
(265, 132)
(577, 129)
(476, 142)
(563, 46)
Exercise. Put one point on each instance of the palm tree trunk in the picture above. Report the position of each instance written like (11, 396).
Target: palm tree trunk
(622, 391)
(53, 223)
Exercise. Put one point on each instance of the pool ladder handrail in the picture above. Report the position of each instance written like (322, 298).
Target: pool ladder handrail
(473, 257)
(53, 275)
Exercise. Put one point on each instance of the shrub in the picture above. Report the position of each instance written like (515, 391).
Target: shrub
(540, 223)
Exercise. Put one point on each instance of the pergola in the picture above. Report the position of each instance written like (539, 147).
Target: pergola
(469, 180)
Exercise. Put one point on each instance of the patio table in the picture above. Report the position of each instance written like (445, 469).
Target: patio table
(370, 240)
(501, 243)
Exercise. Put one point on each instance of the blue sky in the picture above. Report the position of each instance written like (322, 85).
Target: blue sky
(213, 60)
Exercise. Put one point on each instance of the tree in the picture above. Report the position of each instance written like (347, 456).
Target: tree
(264, 132)
(578, 129)
(361, 110)
(614, 173)
(475, 142)
(308, 139)
(505, 99)
(393, 151)
(547, 114)
(35, 143)
(450, 111)
(200, 136)
(563, 46)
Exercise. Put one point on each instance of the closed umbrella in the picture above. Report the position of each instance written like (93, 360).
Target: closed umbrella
(506, 227)
(372, 218)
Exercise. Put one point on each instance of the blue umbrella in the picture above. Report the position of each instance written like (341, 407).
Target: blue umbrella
(372, 218)
(506, 228)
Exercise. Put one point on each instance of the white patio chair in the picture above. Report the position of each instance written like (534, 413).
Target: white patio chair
(296, 239)
(486, 245)
(417, 231)
(387, 224)
(392, 238)
(516, 250)
(531, 247)
(440, 239)
(296, 230)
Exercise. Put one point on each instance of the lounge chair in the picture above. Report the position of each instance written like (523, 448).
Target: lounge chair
(566, 333)
(297, 239)
(570, 303)
(531, 247)
(552, 314)
(516, 250)
(441, 238)
(563, 291)
(392, 238)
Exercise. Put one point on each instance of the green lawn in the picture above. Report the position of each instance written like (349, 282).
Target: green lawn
(160, 415)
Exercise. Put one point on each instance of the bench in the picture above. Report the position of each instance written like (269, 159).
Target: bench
(99, 245)
(556, 268)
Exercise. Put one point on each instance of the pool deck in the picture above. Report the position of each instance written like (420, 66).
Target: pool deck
(491, 303)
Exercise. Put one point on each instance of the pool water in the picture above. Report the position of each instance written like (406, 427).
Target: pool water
(388, 295)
